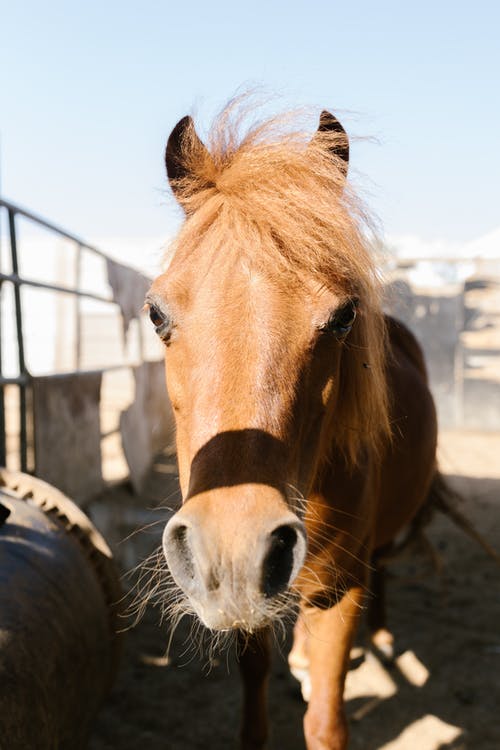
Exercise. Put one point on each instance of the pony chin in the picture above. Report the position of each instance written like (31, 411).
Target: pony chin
(218, 617)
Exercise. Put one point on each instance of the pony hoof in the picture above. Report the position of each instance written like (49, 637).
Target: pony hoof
(383, 643)
(301, 674)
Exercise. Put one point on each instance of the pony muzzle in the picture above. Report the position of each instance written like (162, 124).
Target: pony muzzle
(234, 572)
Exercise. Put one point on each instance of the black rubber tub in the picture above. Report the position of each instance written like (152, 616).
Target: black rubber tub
(59, 598)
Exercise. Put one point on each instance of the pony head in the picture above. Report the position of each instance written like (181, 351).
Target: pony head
(274, 348)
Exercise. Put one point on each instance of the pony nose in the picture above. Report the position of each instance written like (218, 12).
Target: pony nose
(270, 562)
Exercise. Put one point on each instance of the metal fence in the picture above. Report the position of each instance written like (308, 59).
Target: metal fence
(23, 379)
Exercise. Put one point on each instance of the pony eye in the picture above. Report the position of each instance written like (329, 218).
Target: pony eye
(341, 320)
(155, 316)
(161, 322)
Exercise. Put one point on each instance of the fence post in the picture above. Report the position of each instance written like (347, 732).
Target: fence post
(20, 345)
(78, 315)
(3, 449)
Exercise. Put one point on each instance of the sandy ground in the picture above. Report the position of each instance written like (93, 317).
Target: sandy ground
(442, 692)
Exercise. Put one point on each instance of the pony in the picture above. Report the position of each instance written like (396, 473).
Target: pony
(305, 429)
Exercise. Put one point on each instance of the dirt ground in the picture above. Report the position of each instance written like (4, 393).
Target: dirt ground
(442, 692)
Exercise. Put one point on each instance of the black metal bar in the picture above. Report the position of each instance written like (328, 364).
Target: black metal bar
(20, 345)
(11, 208)
(19, 380)
(17, 280)
(78, 315)
(3, 436)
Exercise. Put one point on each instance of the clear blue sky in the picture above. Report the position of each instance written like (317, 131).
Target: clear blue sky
(89, 92)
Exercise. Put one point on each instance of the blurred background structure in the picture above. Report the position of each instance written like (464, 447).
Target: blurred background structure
(83, 400)
(453, 307)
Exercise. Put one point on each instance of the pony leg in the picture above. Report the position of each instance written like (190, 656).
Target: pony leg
(298, 658)
(331, 633)
(255, 663)
(380, 637)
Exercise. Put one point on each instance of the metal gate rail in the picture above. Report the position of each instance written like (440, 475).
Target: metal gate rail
(23, 380)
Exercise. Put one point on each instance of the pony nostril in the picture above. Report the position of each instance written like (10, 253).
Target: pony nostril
(279, 561)
(177, 551)
(178, 534)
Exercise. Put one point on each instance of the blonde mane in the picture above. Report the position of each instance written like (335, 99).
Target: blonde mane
(282, 199)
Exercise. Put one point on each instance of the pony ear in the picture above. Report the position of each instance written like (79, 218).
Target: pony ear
(184, 148)
(339, 145)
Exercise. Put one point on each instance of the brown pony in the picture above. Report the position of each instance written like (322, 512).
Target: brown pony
(306, 433)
